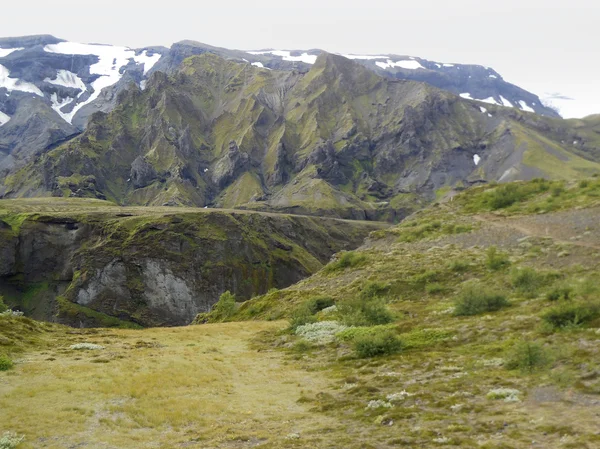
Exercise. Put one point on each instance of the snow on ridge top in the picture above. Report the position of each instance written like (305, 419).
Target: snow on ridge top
(7, 51)
(11, 84)
(67, 79)
(406, 64)
(148, 61)
(110, 61)
(4, 119)
(525, 106)
(365, 57)
(287, 56)
(467, 96)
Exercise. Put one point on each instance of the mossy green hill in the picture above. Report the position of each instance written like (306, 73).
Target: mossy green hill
(337, 140)
(91, 263)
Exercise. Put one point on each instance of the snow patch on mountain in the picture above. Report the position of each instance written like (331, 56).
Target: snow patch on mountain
(147, 60)
(505, 102)
(476, 159)
(410, 65)
(367, 57)
(7, 51)
(525, 106)
(482, 109)
(11, 84)
(287, 56)
(467, 96)
(111, 60)
(4, 119)
(258, 64)
(69, 79)
(58, 104)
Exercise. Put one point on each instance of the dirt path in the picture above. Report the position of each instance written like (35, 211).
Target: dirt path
(197, 386)
(532, 230)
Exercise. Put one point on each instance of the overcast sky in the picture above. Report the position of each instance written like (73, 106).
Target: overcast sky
(545, 46)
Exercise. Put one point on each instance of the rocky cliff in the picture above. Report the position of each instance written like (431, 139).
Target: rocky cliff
(89, 263)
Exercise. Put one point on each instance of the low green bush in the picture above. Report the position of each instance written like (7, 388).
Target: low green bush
(572, 314)
(528, 356)
(319, 303)
(372, 289)
(301, 315)
(496, 260)
(527, 281)
(476, 299)
(224, 308)
(3, 307)
(5, 363)
(435, 288)
(364, 312)
(561, 292)
(459, 266)
(348, 259)
(10, 440)
(385, 342)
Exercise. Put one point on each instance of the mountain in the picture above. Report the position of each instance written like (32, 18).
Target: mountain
(338, 140)
(49, 87)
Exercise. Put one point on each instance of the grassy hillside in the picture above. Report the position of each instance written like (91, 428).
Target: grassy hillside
(474, 323)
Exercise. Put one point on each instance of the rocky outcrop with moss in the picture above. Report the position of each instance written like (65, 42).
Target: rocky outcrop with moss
(89, 263)
(337, 140)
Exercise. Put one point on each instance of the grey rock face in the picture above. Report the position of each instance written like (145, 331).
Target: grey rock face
(230, 165)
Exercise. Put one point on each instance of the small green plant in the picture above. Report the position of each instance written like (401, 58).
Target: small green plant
(385, 342)
(572, 314)
(476, 299)
(527, 281)
(319, 303)
(562, 292)
(435, 288)
(3, 307)
(224, 308)
(301, 315)
(348, 259)
(557, 190)
(584, 183)
(373, 290)
(527, 356)
(364, 312)
(10, 440)
(5, 363)
(496, 260)
(459, 266)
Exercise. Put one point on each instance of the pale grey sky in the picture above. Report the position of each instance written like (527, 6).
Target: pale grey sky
(541, 45)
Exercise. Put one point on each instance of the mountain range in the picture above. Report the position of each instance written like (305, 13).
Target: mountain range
(354, 136)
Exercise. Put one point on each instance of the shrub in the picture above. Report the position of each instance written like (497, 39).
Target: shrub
(557, 190)
(365, 312)
(5, 364)
(496, 260)
(506, 195)
(354, 332)
(3, 307)
(10, 440)
(86, 347)
(561, 292)
(319, 303)
(570, 314)
(527, 356)
(435, 289)
(584, 183)
(508, 394)
(459, 266)
(476, 299)
(527, 281)
(348, 259)
(320, 333)
(373, 290)
(385, 342)
(224, 308)
(302, 315)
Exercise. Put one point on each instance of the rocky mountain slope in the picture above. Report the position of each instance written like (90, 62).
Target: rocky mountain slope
(49, 87)
(91, 263)
(338, 140)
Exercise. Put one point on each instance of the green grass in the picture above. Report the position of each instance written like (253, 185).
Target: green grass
(477, 299)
